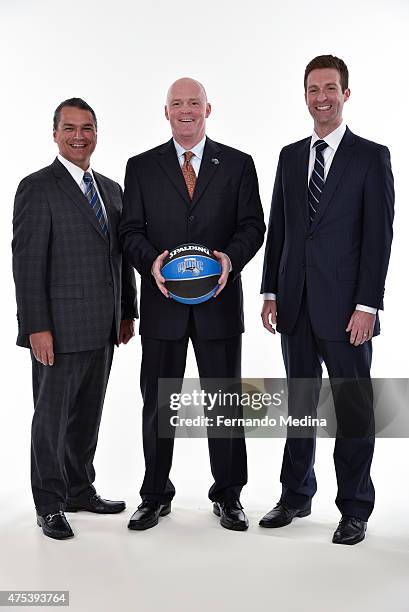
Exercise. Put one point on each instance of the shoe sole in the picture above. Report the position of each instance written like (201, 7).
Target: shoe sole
(141, 527)
(55, 537)
(227, 525)
(300, 514)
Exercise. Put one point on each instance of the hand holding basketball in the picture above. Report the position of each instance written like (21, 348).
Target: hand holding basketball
(225, 264)
(156, 273)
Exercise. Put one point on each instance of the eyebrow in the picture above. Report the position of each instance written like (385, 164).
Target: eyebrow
(80, 125)
(325, 85)
(189, 99)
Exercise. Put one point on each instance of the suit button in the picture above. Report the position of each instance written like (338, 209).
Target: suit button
(110, 284)
(191, 218)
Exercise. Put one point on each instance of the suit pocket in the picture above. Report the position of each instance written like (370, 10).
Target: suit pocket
(66, 292)
(347, 273)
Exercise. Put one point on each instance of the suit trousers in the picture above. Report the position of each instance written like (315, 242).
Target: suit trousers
(349, 372)
(68, 401)
(167, 359)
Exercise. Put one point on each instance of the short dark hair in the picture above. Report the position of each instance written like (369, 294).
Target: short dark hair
(75, 103)
(328, 61)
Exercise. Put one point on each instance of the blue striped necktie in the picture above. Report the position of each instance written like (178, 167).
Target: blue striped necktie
(94, 201)
(317, 180)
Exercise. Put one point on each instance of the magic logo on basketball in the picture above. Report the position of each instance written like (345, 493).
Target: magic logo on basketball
(190, 264)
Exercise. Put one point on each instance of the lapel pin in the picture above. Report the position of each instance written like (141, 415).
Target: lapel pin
(215, 161)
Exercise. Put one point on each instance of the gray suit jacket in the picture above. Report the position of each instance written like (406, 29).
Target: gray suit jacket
(70, 278)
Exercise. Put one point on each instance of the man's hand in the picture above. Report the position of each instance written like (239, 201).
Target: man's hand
(224, 261)
(361, 326)
(155, 271)
(269, 315)
(42, 346)
(126, 331)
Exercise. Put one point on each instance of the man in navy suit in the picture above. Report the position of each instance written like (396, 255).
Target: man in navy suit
(325, 265)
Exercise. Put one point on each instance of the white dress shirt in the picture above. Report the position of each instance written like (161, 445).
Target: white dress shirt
(78, 175)
(197, 151)
(333, 141)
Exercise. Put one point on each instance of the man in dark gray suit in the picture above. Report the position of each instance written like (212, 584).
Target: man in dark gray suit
(76, 297)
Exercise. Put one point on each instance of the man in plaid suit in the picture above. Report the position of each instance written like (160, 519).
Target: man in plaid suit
(76, 297)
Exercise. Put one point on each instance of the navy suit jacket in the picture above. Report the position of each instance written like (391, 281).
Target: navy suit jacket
(225, 214)
(341, 258)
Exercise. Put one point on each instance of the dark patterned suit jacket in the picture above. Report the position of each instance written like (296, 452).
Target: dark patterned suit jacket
(70, 278)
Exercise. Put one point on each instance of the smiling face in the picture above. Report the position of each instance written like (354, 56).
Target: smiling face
(187, 109)
(325, 99)
(76, 136)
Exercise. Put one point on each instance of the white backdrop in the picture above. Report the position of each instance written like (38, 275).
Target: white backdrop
(121, 57)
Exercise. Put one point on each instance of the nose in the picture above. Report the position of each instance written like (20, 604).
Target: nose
(322, 96)
(78, 133)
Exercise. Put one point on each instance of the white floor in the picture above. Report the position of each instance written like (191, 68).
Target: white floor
(188, 563)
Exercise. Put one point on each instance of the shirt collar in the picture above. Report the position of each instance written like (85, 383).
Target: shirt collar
(76, 172)
(333, 140)
(197, 149)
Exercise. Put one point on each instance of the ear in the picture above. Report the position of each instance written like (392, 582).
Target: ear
(166, 113)
(347, 93)
(55, 135)
(208, 109)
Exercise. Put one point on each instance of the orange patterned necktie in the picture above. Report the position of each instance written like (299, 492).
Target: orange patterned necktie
(188, 173)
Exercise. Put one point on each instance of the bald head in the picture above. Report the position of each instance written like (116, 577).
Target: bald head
(187, 109)
(185, 86)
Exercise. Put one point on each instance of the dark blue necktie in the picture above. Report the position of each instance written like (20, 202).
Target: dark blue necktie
(317, 180)
(94, 201)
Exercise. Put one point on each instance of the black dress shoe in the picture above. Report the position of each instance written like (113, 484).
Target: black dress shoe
(55, 526)
(147, 515)
(95, 503)
(282, 515)
(350, 531)
(231, 515)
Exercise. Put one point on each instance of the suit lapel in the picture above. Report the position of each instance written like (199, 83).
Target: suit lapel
(301, 180)
(170, 165)
(339, 163)
(71, 189)
(169, 162)
(208, 167)
(104, 191)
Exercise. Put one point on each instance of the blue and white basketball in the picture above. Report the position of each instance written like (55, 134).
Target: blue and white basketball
(191, 272)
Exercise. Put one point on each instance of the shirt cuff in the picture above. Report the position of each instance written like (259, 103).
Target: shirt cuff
(269, 296)
(366, 309)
